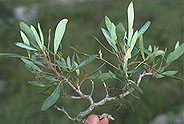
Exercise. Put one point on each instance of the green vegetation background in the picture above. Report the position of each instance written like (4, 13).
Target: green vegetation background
(20, 102)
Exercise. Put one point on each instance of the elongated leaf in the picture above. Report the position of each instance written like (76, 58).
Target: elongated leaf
(159, 53)
(130, 15)
(60, 30)
(136, 70)
(25, 40)
(29, 68)
(26, 29)
(150, 48)
(166, 73)
(37, 83)
(108, 23)
(136, 87)
(25, 46)
(86, 61)
(37, 37)
(104, 76)
(120, 31)
(111, 28)
(129, 53)
(177, 44)
(175, 54)
(52, 98)
(128, 105)
(77, 70)
(108, 37)
(31, 64)
(143, 29)
(113, 32)
(62, 64)
(41, 34)
(10, 55)
(133, 41)
(130, 21)
(141, 46)
(49, 78)
(72, 60)
(69, 62)
(110, 41)
(112, 75)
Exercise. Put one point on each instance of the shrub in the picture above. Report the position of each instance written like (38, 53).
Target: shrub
(133, 61)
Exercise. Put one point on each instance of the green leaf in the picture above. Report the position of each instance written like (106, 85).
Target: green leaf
(38, 62)
(113, 32)
(26, 29)
(69, 62)
(104, 76)
(73, 60)
(130, 21)
(133, 41)
(128, 105)
(130, 15)
(50, 78)
(62, 64)
(37, 83)
(144, 28)
(41, 34)
(37, 37)
(108, 23)
(135, 96)
(134, 52)
(120, 31)
(49, 37)
(77, 70)
(112, 75)
(52, 98)
(111, 42)
(25, 40)
(159, 53)
(166, 73)
(60, 30)
(31, 64)
(136, 70)
(175, 54)
(111, 28)
(150, 59)
(141, 46)
(150, 48)
(177, 44)
(136, 87)
(10, 55)
(86, 61)
(25, 46)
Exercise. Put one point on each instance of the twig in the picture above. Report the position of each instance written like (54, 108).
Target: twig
(73, 97)
(138, 83)
(66, 113)
(65, 80)
(92, 87)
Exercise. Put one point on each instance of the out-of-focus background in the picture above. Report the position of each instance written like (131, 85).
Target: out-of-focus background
(20, 103)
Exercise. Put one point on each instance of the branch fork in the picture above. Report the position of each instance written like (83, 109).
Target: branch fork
(93, 105)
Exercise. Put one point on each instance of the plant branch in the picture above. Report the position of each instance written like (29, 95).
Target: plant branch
(93, 105)
(65, 79)
(138, 83)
